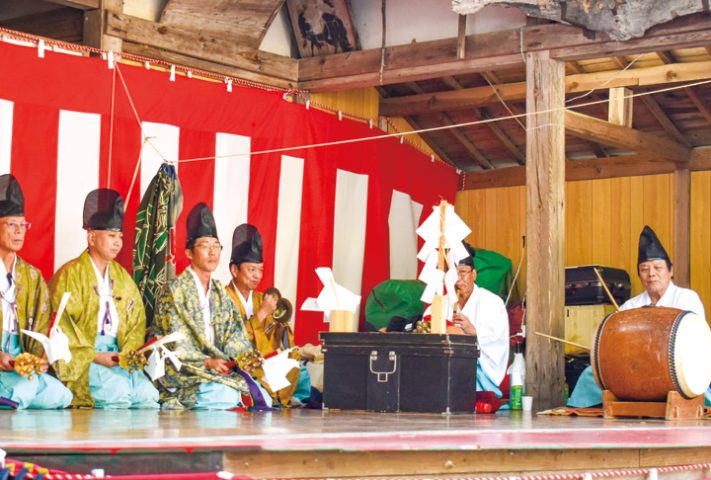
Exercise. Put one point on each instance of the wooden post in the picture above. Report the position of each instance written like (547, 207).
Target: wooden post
(438, 322)
(545, 228)
(95, 26)
(619, 108)
(682, 228)
(462, 37)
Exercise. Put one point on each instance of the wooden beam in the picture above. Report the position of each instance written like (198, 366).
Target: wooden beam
(596, 130)
(60, 24)
(660, 115)
(699, 103)
(80, 4)
(427, 137)
(489, 51)
(503, 137)
(682, 227)
(465, 142)
(593, 169)
(482, 96)
(545, 226)
(619, 107)
(193, 43)
(179, 59)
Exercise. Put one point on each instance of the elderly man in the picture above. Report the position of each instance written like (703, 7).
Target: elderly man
(482, 313)
(655, 271)
(267, 335)
(198, 306)
(104, 316)
(25, 306)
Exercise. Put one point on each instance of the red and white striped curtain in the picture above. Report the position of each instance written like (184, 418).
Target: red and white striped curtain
(351, 206)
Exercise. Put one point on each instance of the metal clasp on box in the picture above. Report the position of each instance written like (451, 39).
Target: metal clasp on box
(383, 376)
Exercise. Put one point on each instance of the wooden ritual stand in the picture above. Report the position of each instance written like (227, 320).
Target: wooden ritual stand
(675, 408)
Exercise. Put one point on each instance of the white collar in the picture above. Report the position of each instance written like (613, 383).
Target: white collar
(198, 284)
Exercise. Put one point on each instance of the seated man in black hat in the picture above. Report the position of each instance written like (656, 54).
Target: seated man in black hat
(25, 306)
(267, 334)
(105, 314)
(482, 313)
(198, 306)
(655, 271)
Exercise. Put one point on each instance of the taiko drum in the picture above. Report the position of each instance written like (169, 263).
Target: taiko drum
(642, 354)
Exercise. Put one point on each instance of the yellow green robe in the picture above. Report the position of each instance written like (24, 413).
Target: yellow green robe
(179, 310)
(33, 313)
(79, 321)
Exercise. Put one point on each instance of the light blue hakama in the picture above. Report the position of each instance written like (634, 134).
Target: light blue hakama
(216, 396)
(117, 388)
(42, 392)
(587, 394)
(484, 383)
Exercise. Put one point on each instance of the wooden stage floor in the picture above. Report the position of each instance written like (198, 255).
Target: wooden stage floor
(309, 443)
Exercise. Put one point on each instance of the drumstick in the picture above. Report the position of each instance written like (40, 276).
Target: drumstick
(604, 285)
(563, 341)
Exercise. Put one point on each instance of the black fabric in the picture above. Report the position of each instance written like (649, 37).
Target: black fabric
(470, 259)
(103, 210)
(246, 245)
(650, 248)
(12, 200)
(200, 223)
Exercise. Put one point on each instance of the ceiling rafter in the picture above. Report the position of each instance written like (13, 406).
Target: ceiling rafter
(584, 82)
(461, 137)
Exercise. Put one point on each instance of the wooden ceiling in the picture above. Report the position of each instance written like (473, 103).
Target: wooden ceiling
(469, 79)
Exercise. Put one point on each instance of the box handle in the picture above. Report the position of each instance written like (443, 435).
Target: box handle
(383, 376)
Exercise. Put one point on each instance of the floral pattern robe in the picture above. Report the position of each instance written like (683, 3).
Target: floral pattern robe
(179, 310)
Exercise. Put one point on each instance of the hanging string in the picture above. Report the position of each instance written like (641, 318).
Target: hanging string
(433, 129)
(111, 124)
(617, 74)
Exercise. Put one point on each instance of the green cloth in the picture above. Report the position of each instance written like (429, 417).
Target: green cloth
(493, 272)
(394, 298)
(80, 319)
(179, 310)
(153, 258)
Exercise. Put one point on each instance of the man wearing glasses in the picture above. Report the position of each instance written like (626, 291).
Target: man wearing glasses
(482, 313)
(214, 338)
(104, 316)
(25, 306)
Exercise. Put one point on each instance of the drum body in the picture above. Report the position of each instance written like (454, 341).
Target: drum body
(642, 354)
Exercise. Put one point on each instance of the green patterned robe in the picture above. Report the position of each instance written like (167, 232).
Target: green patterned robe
(33, 307)
(80, 319)
(179, 310)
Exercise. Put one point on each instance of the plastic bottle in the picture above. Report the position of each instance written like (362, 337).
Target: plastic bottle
(516, 391)
(518, 379)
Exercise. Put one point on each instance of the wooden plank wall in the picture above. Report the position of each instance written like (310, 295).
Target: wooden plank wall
(603, 221)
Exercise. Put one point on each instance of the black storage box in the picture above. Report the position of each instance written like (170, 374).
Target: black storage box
(582, 287)
(399, 372)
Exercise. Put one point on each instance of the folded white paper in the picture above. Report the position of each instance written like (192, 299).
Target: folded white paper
(276, 368)
(56, 346)
(332, 297)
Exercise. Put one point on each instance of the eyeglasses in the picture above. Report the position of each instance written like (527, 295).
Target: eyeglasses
(204, 247)
(18, 225)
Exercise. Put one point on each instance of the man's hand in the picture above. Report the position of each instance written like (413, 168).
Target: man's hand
(106, 359)
(463, 322)
(6, 362)
(268, 306)
(217, 365)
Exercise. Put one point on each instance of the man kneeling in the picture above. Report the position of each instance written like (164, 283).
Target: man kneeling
(198, 306)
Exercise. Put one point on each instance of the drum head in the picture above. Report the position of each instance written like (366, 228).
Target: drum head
(691, 354)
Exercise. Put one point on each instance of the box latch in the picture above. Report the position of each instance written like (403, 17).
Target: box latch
(383, 376)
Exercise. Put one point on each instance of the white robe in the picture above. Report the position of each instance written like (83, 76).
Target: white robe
(488, 314)
(674, 297)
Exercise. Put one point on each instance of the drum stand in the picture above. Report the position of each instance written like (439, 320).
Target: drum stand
(675, 408)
